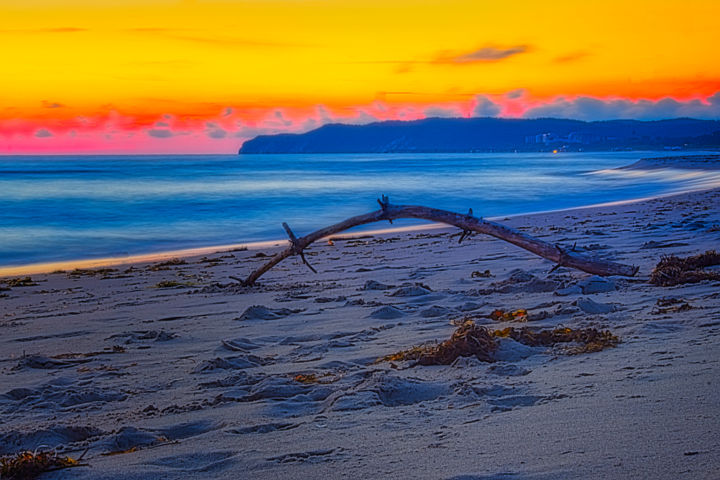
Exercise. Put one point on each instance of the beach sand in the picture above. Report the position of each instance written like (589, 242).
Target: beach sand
(171, 370)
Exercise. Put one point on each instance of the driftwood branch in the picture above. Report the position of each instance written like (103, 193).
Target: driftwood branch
(468, 223)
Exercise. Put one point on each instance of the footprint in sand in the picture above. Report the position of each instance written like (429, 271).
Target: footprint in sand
(387, 312)
(261, 312)
(231, 363)
(57, 438)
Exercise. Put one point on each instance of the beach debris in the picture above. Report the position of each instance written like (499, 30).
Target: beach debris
(172, 284)
(20, 282)
(470, 340)
(479, 274)
(672, 270)
(155, 267)
(311, 378)
(90, 272)
(468, 223)
(587, 340)
(520, 315)
(29, 465)
(467, 340)
(671, 305)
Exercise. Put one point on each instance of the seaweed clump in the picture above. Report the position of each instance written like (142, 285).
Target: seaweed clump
(514, 316)
(20, 282)
(473, 340)
(310, 378)
(672, 270)
(466, 341)
(156, 267)
(587, 340)
(29, 465)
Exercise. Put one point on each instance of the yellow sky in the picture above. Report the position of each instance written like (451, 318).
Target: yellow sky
(153, 56)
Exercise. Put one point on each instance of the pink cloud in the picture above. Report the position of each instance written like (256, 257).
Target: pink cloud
(224, 131)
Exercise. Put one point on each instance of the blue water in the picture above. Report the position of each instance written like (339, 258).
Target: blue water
(55, 208)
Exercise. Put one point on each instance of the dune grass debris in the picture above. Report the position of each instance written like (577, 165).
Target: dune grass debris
(672, 270)
(29, 465)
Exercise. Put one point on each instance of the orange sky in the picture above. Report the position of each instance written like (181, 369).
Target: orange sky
(202, 76)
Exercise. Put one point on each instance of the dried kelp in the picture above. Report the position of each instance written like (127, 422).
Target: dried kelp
(173, 262)
(672, 270)
(91, 272)
(586, 339)
(467, 340)
(671, 305)
(310, 378)
(520, 316)
(472, 340)
(29, 465)
(173, 284)
(20, 282)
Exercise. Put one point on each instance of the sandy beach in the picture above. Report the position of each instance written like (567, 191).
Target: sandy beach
(173, 370)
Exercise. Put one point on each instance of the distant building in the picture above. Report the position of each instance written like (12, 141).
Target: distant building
(550, 138)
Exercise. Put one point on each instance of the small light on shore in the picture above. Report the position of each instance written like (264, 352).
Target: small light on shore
(554, 151)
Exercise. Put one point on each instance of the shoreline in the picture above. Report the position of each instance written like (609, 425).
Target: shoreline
(185, 253)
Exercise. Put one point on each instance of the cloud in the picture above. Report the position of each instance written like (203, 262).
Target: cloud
(589, 108)
(217, 133)
(486, 54)
(514, 94)
(439, 112)
(484, 107)
(159, 133)
(162, 124)
(571, 57)
(43, 133)
(47, 104)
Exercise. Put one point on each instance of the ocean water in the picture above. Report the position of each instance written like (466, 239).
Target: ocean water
(57, 208)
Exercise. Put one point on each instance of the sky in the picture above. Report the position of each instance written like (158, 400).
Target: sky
(202, 76)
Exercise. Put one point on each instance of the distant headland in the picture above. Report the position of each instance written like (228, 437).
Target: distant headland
(494, 135)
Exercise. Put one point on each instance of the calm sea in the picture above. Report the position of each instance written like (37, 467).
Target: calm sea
(55, 208)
